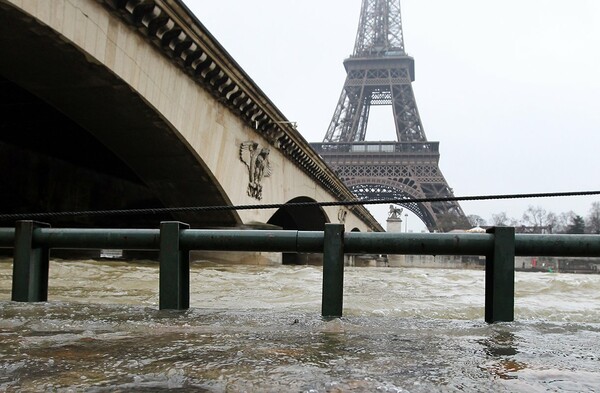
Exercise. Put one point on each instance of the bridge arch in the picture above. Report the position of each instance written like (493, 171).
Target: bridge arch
(88, 137)
(302, 218)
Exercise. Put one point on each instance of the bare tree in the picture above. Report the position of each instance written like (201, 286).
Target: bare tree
(535, 216)
(503, 220)
(500, 219)
(563, 221)
(448, 221)
(476, 220)
(593, 221)
(551, 220)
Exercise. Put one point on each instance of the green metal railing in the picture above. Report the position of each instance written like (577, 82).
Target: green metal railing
(32, 242)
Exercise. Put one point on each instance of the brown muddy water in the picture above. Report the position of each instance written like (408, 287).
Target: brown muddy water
(258, 329)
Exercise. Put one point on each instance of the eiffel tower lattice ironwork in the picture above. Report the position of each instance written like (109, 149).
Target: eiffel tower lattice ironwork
(379, 72)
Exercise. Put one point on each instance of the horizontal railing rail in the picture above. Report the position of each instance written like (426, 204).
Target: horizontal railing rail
(309, 241)
(32, 242)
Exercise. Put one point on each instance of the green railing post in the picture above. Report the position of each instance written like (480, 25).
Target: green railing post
(333, 271)
(30, 265)
(174, 281)
(500, 277)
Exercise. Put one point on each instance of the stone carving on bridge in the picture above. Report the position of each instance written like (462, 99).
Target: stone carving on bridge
(342, 213)
(259, 167)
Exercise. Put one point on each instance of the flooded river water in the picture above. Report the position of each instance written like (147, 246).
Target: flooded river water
(258, 329)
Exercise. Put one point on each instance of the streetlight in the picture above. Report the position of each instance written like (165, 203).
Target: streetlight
(406, 223)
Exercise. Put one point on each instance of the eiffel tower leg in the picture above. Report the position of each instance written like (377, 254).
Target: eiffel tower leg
(349, 122)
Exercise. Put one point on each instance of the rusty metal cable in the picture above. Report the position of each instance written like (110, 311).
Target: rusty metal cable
(154, 211)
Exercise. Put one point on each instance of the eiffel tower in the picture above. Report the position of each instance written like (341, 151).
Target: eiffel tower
(379, 72)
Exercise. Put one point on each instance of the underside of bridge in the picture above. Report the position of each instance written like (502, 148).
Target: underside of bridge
(303, 218)
(75, 137)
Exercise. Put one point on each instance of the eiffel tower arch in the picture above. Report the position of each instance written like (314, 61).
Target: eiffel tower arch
(379, 72)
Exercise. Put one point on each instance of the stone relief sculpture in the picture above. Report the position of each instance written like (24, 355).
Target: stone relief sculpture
(342, 213)
(395, 213)
(257, 162)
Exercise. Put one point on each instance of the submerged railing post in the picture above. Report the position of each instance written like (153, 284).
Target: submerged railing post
(333, 271)
(30, 265)
(500, 277)
(174, 285)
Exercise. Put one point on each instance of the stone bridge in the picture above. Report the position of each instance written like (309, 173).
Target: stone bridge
(126, 104)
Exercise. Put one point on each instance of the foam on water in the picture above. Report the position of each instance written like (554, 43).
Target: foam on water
(257, 329)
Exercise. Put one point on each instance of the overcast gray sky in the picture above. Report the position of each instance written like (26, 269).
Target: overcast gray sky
(510, 89)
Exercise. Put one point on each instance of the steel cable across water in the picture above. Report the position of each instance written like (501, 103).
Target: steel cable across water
(153, 211)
